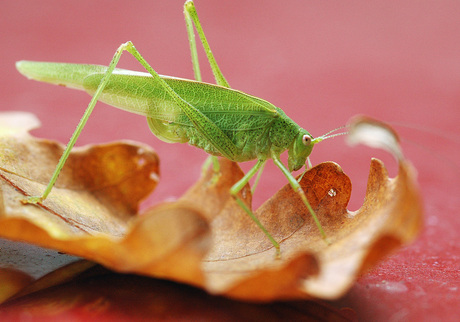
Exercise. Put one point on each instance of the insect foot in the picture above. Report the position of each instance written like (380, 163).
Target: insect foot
(32, 200)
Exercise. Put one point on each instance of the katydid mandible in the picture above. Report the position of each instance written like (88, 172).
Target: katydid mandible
(220, 120)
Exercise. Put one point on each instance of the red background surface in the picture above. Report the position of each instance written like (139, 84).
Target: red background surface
(322, 62)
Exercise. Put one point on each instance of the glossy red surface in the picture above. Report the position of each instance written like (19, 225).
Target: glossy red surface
(322, 62)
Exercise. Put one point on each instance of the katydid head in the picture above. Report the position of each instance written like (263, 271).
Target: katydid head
(300, 150)
(303, 145)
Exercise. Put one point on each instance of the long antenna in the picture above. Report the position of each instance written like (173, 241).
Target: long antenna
(328, 135)
(334, 135)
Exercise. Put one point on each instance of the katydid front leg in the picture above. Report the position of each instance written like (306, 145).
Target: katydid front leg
(296, 187)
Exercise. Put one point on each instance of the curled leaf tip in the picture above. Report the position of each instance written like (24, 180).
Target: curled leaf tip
(375, 134)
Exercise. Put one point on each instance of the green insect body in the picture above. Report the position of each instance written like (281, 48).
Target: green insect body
(256, 127)
(220, 120)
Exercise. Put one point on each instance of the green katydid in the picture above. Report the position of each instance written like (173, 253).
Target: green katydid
(220, 120)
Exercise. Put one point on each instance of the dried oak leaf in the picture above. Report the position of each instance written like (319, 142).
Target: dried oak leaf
(170, 240)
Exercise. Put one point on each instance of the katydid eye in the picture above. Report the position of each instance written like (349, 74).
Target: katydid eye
(306, 140)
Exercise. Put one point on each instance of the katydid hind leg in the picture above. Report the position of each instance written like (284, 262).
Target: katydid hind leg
(192, 43)
(78, 130)
(237, 187)
(191, 17)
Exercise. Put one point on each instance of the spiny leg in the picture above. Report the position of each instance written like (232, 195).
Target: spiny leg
(237, 188)
(192, 42)
(76, 134)
(191, 17)
(296, 187)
